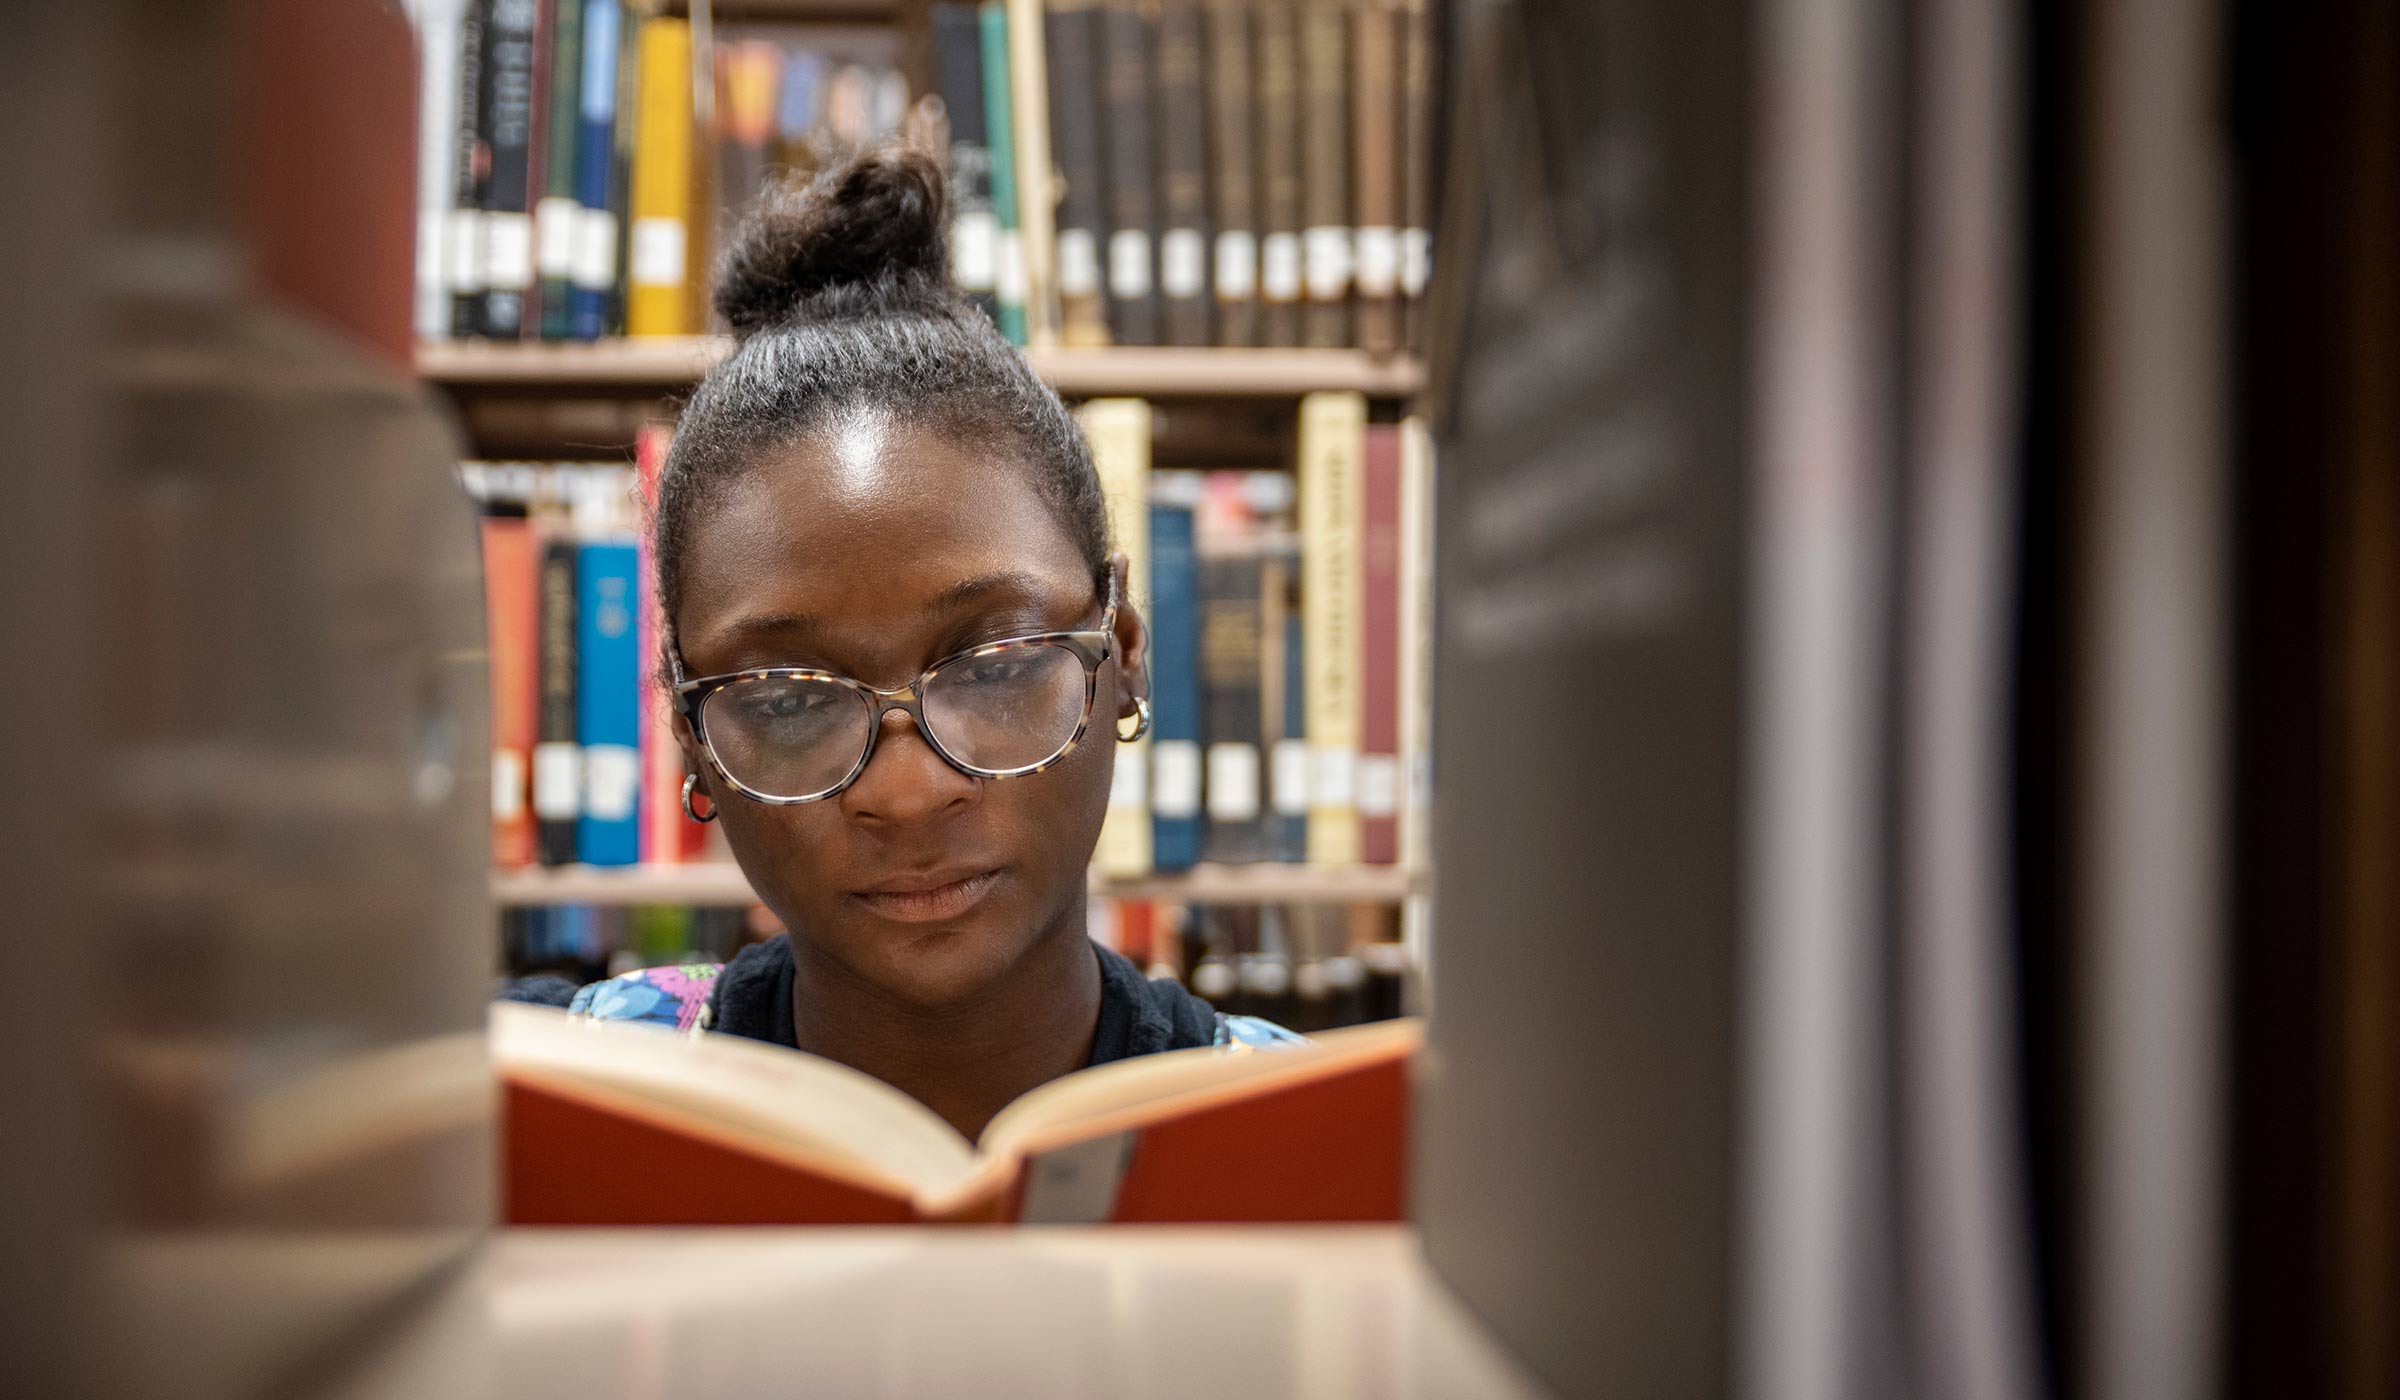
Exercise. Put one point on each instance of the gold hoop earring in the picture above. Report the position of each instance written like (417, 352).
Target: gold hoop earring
(1141, 720)
(691, 783)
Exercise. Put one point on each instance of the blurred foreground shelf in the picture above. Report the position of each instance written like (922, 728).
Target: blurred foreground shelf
(722, 884)
(629, 366)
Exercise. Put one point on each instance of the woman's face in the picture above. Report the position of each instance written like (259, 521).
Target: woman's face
(874, 551)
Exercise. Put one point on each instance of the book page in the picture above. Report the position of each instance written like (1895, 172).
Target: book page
(787, 1103)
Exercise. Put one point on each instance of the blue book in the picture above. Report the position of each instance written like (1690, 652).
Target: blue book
(608, 703)
(1174, 690)
(594, 257)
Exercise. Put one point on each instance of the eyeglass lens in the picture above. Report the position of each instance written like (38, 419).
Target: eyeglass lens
(798, 738)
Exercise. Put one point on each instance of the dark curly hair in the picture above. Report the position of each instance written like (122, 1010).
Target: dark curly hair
(840, 300)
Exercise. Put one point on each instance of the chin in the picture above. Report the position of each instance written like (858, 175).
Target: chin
(931, 967)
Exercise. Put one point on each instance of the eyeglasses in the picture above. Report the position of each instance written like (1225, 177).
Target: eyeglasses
(785, 735)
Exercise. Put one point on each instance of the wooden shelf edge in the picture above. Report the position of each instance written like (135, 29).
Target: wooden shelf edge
(717, 884)
(1146, 371)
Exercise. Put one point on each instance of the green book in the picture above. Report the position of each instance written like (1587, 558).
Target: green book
(1000, 133)
(558, 215)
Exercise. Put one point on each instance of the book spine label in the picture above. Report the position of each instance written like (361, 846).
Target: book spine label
(1183, 253)
(1332, 431)
(1325, 170)
(1010, 283)
(1132, 198)
(1277, 33)
(1379, 635)
(608, 702)
(1175, 786)
(557, 760)
(659, 243)
(1119, 432)
(1072, 44)
(1376, 155)
(1232, 172)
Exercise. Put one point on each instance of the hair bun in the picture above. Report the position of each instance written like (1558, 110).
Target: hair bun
(866, 237)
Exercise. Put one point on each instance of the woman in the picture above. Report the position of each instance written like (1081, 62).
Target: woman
(899, 649)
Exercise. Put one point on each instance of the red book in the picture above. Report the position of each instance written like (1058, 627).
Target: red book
(512, 628)
(668, 836)
(626, 1124)
(1379, 785)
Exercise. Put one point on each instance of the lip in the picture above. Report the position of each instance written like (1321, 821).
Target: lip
(929, 897)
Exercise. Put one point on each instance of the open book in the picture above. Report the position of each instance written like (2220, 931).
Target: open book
(614, 1123)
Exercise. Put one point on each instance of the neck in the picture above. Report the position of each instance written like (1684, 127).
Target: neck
(966, 1061)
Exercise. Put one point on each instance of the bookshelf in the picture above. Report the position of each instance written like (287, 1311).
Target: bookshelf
(468, 367)
(721, 884)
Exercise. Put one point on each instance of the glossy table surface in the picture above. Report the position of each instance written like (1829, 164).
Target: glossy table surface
(1222, 1313)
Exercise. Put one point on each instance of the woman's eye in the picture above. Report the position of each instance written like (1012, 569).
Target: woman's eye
(993, 670)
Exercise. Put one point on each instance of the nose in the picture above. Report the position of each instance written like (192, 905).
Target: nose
(906, 783)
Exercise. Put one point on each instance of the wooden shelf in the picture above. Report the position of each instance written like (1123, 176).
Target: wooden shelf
(722, 884)
(620, 366)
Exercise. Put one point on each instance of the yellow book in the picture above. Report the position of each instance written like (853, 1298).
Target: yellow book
(658, 294)
(1332, 447)
(1119, 431)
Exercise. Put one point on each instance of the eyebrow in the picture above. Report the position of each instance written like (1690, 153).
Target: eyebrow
(807, 625)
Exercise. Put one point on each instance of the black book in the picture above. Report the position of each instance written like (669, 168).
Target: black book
(1183, 246)
(974, 227)
(1132, 258)
(508, 64)
(1072, 46)
(1231, 719)
(557, 755)
(462, 258)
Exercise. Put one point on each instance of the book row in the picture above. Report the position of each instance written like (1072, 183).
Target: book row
(1131, 172)
(1286, 614)
(1309, 968)
(1225, 172)
(568, 177)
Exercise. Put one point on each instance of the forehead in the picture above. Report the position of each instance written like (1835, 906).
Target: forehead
(863, 525)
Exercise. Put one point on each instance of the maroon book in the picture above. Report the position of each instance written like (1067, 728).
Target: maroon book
(1379, 784)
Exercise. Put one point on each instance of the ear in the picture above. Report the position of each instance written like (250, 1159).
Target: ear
(1132, 641)
(695, 759)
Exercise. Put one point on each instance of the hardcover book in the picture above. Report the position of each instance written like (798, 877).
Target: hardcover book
(614, 1123)
(658, 259)
(1132, 258)
(557, 759)
(1332, 429)
(1183, 247)
(558, 217)
(1233, 172)
(1280, 200)
(1119, 432)
(1072, 30)
(1380, 565)
(1175, 688)
(608, 708)
(974, 230)
(1326, 244)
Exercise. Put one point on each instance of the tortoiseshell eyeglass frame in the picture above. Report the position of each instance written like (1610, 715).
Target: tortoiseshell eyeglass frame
(1090, 647)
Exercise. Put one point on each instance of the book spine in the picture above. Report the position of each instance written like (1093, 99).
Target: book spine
(1416, 644)
(666, 834)
(1010, 283)
(1279, 256)
(1325, 241)
(508, 191)
(1175, 689)
(747, 74)
(1230, 656)
(1332, 429)
(1416, 166)
(512, 613)
(1183, 247)
(1072, 43)
(1379, 779)
(557, 760)
(1288, 762)
(558, 217)
(438, 23)
(659, 243)
(593, 274)
(462, 247)
(974, 229)
(608, 716)
(1128, 26)
(1375, 158)
(1232, 172)
(799, 113)
(1119, 432)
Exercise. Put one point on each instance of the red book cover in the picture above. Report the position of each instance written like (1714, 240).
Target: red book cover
(668, 836)
(512, 626)
(1379, 783)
